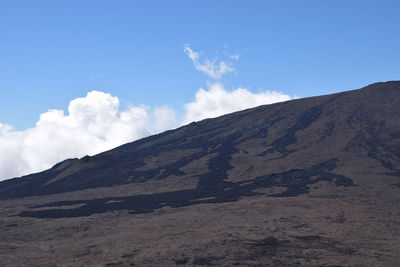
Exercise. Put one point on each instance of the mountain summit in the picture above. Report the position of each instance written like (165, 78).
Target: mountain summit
(288, 184)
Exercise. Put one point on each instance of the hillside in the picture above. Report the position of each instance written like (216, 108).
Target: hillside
(307, 182)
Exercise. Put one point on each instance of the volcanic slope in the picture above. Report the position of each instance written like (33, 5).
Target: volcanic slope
(308, 182)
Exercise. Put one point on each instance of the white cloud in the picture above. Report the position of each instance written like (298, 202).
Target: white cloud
(164, 118)
(217, 101)
(212, 68)
(94, 123)
(191, 54)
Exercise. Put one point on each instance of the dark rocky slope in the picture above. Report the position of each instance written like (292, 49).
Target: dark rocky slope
(338, 152)
(299, 138)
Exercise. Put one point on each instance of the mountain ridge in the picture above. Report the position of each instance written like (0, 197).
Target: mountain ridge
(71, 168)
(309, 182)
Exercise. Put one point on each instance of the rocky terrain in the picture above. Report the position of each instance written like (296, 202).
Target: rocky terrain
(308, 182)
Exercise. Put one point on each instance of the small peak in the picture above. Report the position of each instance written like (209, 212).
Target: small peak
(64, 164)
(384, 84)
(85, 158)
(383, 87)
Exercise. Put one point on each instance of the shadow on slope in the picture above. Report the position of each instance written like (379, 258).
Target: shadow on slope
(295, 182)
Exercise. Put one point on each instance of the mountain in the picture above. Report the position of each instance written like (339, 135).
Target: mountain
(307, 182)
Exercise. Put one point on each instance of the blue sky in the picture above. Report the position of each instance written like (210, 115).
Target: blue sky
(54, 51)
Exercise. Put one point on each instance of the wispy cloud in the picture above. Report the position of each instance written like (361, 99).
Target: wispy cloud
(235, 57)
(214, 69)
(95, 76)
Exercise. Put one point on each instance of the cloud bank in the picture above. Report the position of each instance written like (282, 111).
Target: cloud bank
(93, 124)
(217, 101)
(96, 122)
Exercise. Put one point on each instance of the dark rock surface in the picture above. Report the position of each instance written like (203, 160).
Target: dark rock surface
(308, 182)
